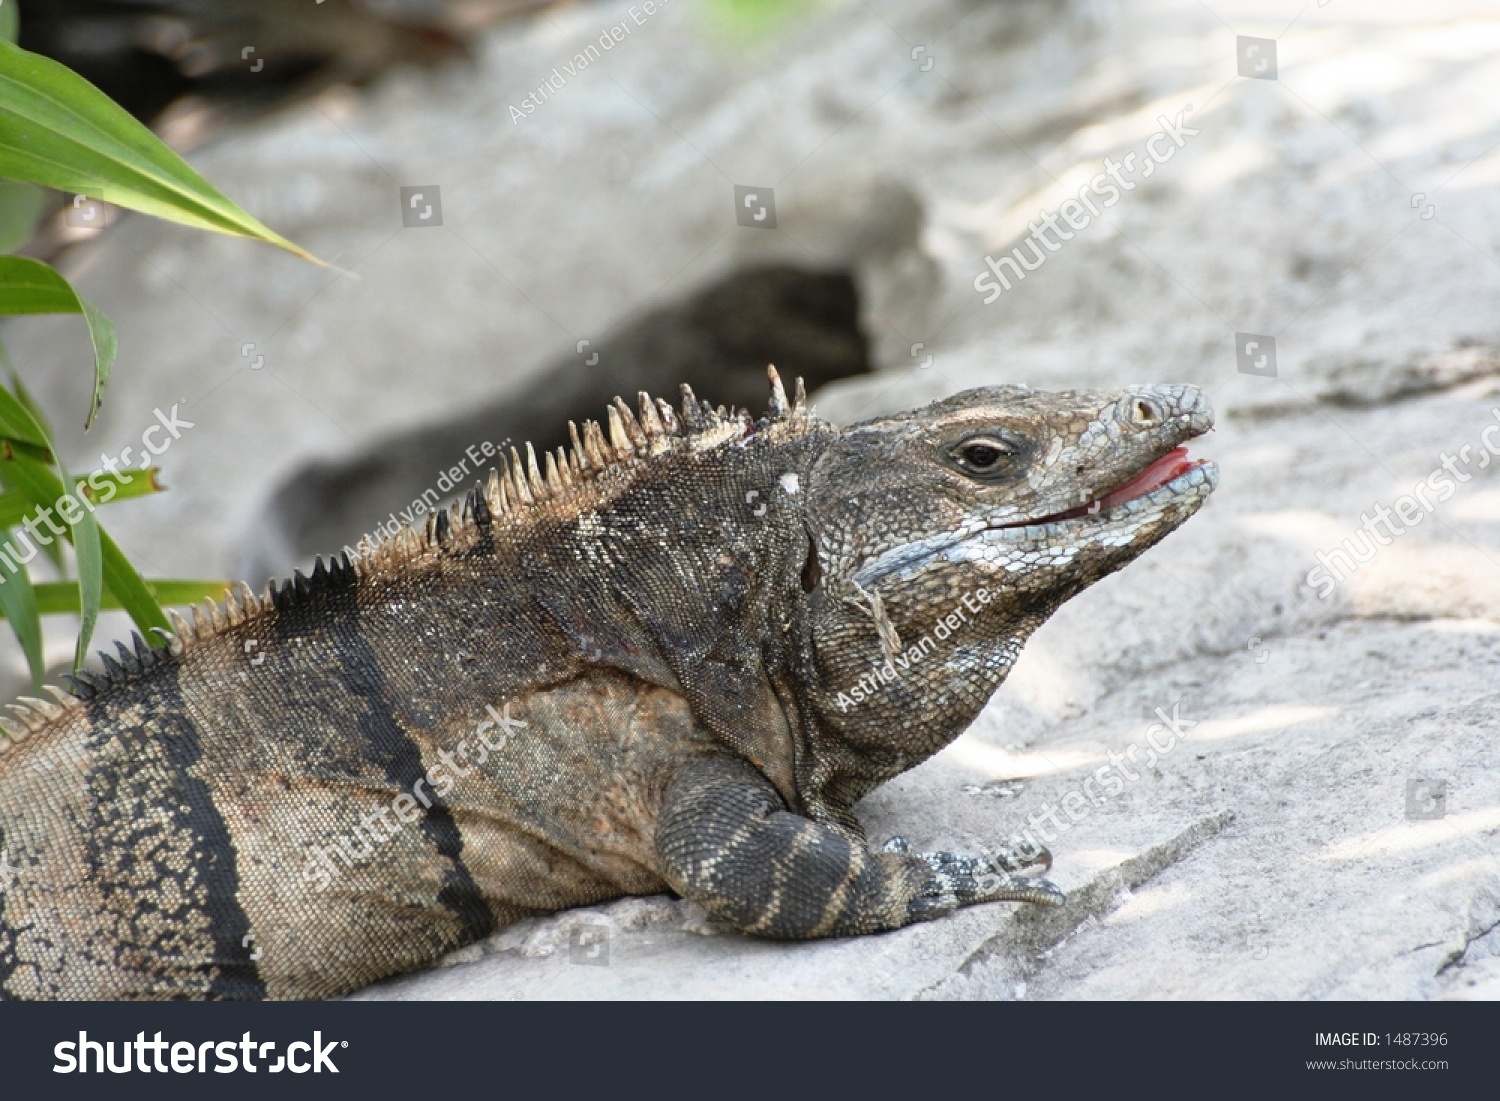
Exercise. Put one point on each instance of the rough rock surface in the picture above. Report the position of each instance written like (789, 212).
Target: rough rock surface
(1329, 825)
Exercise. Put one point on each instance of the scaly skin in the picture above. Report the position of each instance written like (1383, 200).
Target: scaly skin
(633, 673)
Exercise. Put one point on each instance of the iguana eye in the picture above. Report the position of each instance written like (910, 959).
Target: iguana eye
(983, 455)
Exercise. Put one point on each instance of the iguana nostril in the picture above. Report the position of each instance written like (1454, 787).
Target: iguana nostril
(1147, 413)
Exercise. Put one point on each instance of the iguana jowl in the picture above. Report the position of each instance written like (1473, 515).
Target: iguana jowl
(330, 783)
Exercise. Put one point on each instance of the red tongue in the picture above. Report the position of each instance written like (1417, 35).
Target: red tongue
(1159, 473)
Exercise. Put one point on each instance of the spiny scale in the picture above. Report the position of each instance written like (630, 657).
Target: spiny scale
(618, 438)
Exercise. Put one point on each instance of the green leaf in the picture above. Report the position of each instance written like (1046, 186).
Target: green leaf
(100, 487)
(88, 556)
(40, 483)
(18, 603)
(752, 20)
(30, 286)
(61, 597)
(125, 484)
(59, 130)
(130, 589)
(23, 395)
(53, 551)
(45, 488)
(20, 425)
(10, 24)
(20, 206)
(28, 402)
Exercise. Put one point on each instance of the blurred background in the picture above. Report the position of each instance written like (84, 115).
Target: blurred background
(534, 206)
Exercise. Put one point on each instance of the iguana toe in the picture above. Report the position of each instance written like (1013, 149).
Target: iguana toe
(1016, 856)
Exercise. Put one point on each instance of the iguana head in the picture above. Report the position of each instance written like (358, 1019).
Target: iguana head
(1027, 490)
(1027, 495)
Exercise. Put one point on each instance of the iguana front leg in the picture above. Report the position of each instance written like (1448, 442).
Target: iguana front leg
(727, 841)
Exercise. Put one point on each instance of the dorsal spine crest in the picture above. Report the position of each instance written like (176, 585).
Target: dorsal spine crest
(511, 484)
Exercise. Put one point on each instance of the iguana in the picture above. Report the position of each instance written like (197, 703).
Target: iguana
(632, 669)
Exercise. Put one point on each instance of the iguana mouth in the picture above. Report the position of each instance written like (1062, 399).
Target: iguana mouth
(1174, 472)
(1165, 470)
